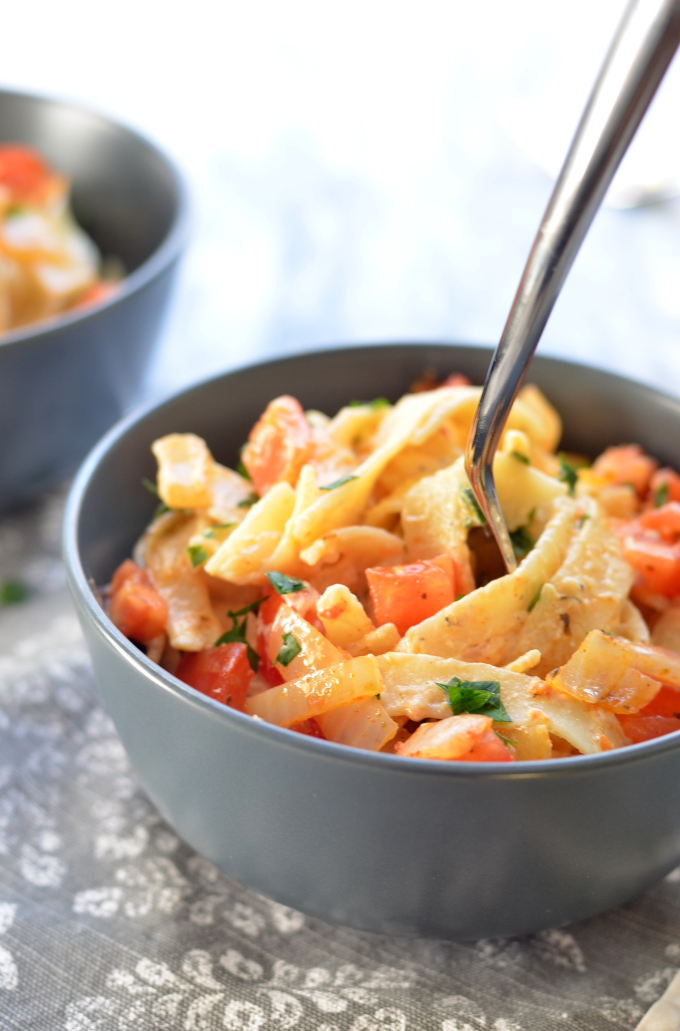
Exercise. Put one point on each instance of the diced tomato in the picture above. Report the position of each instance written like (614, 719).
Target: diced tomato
(668, 482)
(489, 749)
(128, 570)
(467, 737)
(135, 606)
(665, 520)
(24, 174)
(309, 727)
(223, 673)
(457, 379)
(656, 561)
(279, 444)
(431, 381)
(405, 595)
(626, 464)
(665, 703)
(95, 294)
(644, 728)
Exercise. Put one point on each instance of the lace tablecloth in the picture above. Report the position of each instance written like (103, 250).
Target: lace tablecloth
(108, 922)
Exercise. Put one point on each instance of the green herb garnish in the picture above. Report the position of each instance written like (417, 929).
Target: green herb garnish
(249, 501)
(237, 633)
(661, 495)
(197, 554)
(472, 502)
(240, 468)
(522, 542)
(153, 489)
(520, 457)
(338, 483)
(283, 584)
(476, 696)
(12, 592)
(218, 526)
(377, 402)
(505, 740)
(534, 601)
(567, 473)
(289, 649)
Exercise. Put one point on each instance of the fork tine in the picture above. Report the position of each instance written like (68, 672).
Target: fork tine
(642, 49)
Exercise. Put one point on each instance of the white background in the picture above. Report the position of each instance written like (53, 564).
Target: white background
(369, 169)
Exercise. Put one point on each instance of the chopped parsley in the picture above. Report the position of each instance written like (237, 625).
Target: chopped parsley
(520, 457)
(522, 542)
(150, 486)
(506, 740)
(249, 501)
(153, 489)
(283, 584)
(535, 600)
(12, 592)
(210, 532)
(661, 495)
(472, 502)
(197, 554)
(377, 402)
(240, 468)
(338, 483)
(476, 696)
(237, 633)
(567, 473)
(289, 649)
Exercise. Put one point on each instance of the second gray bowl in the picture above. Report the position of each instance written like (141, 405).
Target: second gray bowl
(63, 382)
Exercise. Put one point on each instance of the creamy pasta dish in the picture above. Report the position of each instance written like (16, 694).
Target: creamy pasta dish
(47, 263)
(342, 582)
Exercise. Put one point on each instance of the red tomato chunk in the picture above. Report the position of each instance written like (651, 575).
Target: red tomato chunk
(644, 728)
(223, 673)
(279, 445)
(136, 607)
(656, 561)
(24, 174)
(405, 595)
(626, 464)
(667, 481)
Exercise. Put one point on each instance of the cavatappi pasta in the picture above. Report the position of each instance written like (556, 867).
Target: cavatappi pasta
(342, 583)
(47, 263)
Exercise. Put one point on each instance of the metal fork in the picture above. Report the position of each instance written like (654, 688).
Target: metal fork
(640, 53)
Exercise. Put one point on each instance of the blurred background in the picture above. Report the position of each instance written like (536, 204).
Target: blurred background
(373, 170)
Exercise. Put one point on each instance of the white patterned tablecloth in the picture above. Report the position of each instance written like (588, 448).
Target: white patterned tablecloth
(108, 922)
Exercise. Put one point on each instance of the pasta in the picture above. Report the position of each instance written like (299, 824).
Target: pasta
(47, 263)
(343, 584)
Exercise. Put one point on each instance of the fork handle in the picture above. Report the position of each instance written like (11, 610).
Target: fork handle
(637, 60)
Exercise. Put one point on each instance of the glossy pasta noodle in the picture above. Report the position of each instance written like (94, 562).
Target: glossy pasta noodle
(342, 582)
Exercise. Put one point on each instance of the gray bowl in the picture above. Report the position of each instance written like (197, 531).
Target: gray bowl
(63, 382)
(443, 849)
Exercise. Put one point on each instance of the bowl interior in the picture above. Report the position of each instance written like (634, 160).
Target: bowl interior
(124, 193)
(598, 409)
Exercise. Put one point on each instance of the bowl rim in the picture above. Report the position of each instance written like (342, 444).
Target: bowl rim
(169, 249)
(85, 595)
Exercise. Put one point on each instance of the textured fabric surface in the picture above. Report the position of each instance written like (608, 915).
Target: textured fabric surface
(109, 922)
